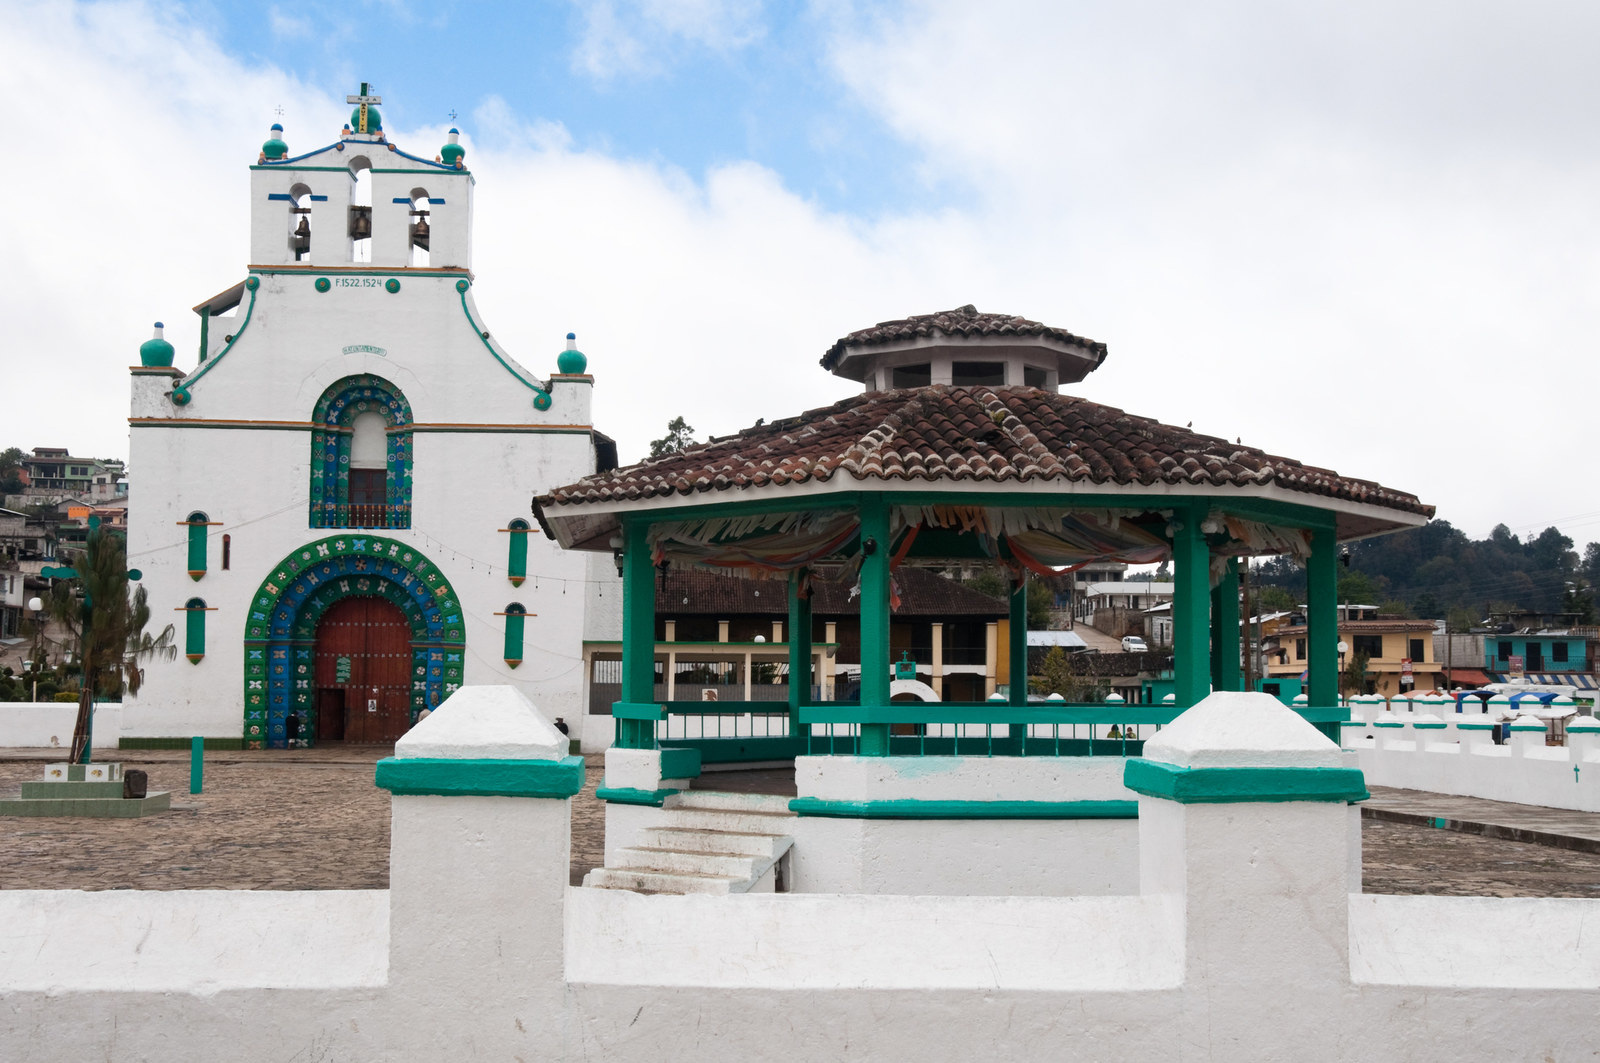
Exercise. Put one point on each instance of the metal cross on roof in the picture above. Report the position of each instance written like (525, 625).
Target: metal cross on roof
(452, 114)
(365, 98)
(279, 110)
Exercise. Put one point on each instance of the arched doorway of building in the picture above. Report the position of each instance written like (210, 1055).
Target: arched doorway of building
(284, 688)
(363, 671)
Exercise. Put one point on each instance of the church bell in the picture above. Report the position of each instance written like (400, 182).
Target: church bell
(301, 242)
(360, 222)
(419, 230)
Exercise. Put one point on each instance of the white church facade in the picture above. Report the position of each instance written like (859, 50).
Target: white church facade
(333, 501)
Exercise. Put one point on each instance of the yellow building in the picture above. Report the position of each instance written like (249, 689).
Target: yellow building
(1390, 646)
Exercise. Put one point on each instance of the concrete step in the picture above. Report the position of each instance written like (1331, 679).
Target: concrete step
(658, 881)
(720, 820)
(723, 801)
(688, 840)
(730, 865)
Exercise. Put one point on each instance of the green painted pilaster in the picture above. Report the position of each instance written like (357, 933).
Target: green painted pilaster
(1225, 672)
(1322, 617)
(638, 635)
(1191, 609)
(1018, 649)
(874, 619)
(799, 651)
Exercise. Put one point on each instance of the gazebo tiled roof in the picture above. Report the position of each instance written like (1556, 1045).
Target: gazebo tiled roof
(965, 321)
(941, 436)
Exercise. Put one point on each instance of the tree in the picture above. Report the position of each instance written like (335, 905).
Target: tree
(1274, 600)
(1057, 677)
(1355, 674)
(1579, 598)
(11, 470)
(106, 625)
(1427, 606)
(1040, 598)
(679, 437)
(1358, 588)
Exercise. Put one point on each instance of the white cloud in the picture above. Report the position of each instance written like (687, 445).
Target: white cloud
(607, 47)
(639, 38)
(1362, 235)
(723, 25)
(1281, 236)
(287, 26)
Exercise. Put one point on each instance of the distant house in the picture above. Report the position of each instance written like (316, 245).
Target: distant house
(1528, 652)
(1118, 607)
(52, 474)
(1069, 588)
(1394, 649)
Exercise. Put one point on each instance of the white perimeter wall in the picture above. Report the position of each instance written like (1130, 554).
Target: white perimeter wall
(1241, 941)
(49, 724)
(1523, 771)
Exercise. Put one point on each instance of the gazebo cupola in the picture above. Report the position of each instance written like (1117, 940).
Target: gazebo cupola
(963, 347)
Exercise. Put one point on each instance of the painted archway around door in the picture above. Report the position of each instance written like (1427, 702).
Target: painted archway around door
(281, 631)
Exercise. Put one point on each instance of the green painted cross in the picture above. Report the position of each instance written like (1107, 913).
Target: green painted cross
(363, 99)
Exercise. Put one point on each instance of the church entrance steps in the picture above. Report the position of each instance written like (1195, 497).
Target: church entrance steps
(708, 842)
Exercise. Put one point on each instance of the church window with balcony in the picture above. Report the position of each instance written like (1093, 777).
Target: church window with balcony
(361, 456)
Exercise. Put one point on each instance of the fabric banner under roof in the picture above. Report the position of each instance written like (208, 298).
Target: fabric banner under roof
(1043, 539)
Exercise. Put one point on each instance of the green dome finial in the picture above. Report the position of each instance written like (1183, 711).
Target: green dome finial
(274, 149)
(156, 351)
(452, 153)
(572, 361)
(365, 118)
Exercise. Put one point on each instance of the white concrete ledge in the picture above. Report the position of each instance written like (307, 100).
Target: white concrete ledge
(192, 941)
(834, 942)
(1478, 942)
(962, 778)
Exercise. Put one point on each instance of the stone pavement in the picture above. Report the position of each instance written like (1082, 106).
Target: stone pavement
(312, 819)
(268, 819)
(1558, 827)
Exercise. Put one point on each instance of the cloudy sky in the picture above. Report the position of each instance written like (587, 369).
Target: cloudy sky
(1365, 235)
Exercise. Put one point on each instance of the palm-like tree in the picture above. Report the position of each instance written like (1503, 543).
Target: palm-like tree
(106, 625)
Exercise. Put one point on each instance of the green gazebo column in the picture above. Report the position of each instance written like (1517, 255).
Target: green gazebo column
(1018, 652)
(799, 653)
(1191, 610)
(1322, 618)
(874, 621)
(1225, 630)
(638, 635)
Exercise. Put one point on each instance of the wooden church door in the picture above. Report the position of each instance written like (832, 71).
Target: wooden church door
(363, 662)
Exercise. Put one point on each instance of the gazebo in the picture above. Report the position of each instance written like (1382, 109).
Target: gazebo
(961, 447)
